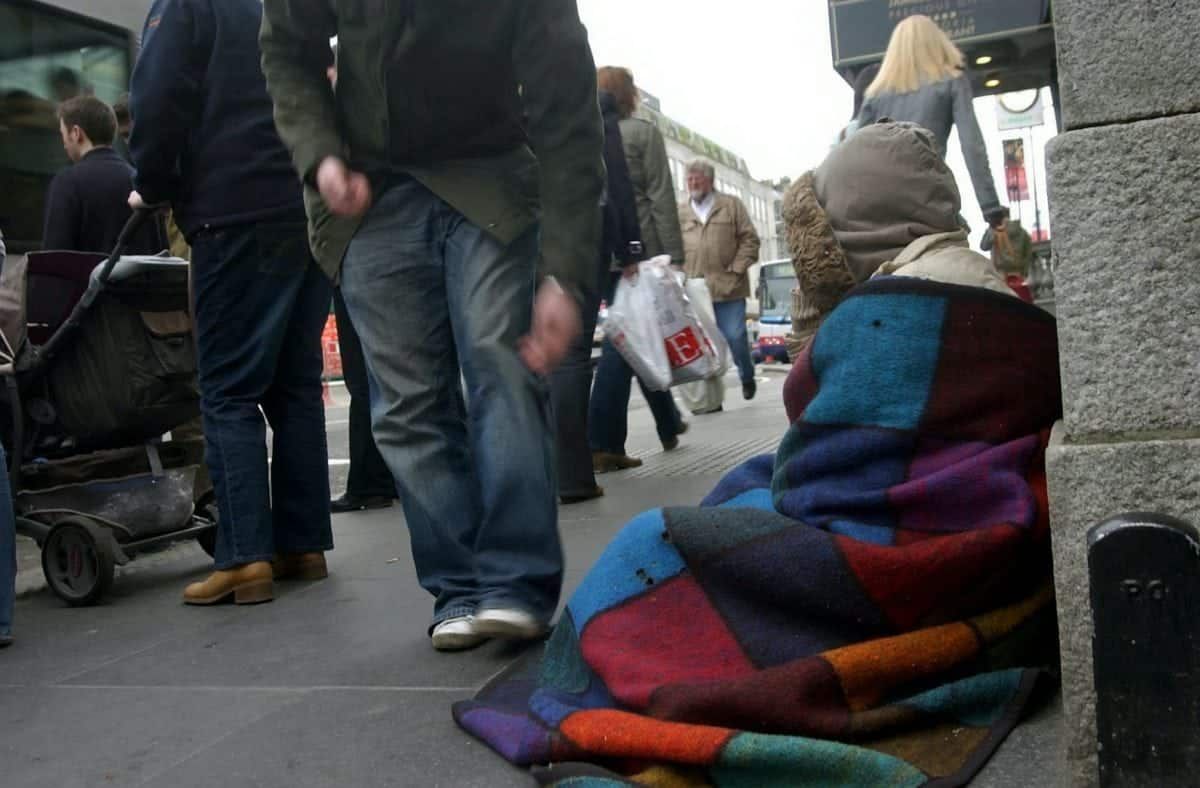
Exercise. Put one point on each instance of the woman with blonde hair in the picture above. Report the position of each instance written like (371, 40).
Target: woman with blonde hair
(922, 81)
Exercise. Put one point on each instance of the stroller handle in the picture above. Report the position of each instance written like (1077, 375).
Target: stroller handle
(132, 225)
(95, 288)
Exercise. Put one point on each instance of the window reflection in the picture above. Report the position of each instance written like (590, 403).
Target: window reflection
(46, 57)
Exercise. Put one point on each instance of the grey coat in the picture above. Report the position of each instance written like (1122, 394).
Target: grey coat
(938, 106)
(650, 171)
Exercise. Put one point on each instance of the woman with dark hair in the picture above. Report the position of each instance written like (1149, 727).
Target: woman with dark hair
(620, 246)
(658, 221)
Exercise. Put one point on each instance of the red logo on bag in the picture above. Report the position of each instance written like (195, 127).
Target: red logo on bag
(683, 348)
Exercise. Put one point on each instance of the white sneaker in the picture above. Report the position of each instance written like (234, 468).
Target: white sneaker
(456, 634)
(510, 623)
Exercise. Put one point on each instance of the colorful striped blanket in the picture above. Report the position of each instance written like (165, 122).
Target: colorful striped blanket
(870, 607)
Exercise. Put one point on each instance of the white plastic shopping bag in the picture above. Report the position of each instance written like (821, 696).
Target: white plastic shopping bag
(654, 319)
(632, 326)
(701, 298)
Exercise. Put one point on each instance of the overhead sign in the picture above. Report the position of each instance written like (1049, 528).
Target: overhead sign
(1021, 110)
(861, 28)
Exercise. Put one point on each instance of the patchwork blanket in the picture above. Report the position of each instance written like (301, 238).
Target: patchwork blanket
(870, 607)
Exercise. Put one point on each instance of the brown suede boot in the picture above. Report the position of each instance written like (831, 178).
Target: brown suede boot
(606, 462)
(300, 566)
(248, 584)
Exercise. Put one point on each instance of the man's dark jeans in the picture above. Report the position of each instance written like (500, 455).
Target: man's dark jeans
(570, 392)
(261, 304)
(369, 475)
(434, 297)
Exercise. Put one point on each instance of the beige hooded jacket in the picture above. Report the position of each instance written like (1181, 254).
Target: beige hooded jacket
(883, 203)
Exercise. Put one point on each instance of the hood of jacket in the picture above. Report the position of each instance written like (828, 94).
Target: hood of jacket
(876, 196)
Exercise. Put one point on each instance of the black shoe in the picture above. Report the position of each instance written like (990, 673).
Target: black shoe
(594, 493)
(359, 503)
(749, 390)
(6, 640)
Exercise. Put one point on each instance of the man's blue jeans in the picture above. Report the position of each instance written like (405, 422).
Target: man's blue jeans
(261, 304)
(608, 423)
(432, 295)
(731, 320)
(8, 550)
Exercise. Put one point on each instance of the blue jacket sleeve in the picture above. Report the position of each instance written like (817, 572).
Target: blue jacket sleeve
(165, 95)
(61, 229)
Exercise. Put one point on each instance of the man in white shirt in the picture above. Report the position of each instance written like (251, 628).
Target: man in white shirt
(720, 244)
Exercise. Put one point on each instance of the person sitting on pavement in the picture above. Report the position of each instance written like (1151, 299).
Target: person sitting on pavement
(260, 300)
(657, 220)
(87, 203)
(720, 244)
(832, 610)
(888, 204)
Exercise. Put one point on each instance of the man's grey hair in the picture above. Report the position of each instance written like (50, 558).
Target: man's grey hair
(703, 168)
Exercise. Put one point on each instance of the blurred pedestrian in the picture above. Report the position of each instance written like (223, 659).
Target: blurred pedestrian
(571, 383)
(922, 81)
(657, 218)
(204, 140)
(721, 244)
(369, 482)
(427, 186)
(87, 203)
(8, 537)
(1011, 247)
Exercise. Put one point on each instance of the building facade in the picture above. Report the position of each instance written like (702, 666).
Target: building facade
(732, 175)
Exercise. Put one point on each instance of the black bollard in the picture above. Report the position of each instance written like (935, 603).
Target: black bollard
(1145, 578)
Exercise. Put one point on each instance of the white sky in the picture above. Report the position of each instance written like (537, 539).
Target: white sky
(756, 77)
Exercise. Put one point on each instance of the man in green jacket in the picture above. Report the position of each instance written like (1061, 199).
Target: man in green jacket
(462, 149)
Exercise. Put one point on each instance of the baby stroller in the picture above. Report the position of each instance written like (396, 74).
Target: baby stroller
(97, 363)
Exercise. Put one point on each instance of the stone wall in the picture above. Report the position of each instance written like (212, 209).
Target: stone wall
(1126, 216)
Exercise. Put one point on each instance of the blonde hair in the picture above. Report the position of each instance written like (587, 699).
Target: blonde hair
(619, 82)
(918, 54)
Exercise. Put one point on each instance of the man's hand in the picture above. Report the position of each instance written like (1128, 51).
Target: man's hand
(138, 204)
(346, 193)
(555, 325)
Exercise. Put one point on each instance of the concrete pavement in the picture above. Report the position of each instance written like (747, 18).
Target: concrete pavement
(335, 682)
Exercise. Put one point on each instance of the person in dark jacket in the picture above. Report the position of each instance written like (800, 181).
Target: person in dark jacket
(456, 180)
(657, 220)
(369, 482)
(921, 81)
(204, 141)
(86, 204)
(571, 383)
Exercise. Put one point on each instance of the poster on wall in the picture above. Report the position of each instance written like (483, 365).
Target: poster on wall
(1014, 170)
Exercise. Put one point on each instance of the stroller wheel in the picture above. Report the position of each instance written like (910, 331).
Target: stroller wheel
(78, 561)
